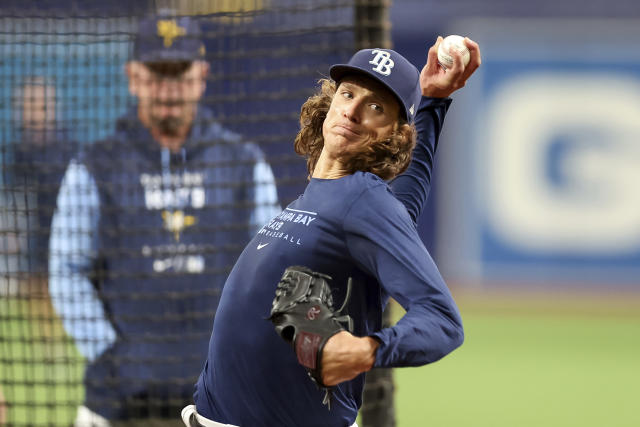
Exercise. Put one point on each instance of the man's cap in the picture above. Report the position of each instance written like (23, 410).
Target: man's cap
(168, 39)
(391, 69)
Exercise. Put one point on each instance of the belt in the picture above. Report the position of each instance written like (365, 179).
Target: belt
(191, 418)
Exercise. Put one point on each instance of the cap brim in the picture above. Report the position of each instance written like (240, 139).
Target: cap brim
(166, 56)
(338, 71)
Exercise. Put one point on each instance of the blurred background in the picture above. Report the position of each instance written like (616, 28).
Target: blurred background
(533, 219)
(535, 215)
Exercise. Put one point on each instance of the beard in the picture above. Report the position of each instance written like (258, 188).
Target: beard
(170, 123)
(169, 126)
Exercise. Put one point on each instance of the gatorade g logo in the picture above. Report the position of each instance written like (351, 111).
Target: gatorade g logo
(382, 61)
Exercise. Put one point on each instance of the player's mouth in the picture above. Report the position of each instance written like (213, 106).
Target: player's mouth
(346, 130)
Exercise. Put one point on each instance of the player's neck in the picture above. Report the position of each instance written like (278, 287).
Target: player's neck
(173, 143)
(328, 168)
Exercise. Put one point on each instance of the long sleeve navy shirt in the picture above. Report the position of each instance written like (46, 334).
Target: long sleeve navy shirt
(357, 227)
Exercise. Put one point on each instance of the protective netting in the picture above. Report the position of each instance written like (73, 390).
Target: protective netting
(117, 226)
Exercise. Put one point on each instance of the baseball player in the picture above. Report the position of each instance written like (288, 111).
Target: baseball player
(146, 226)
(282, 353)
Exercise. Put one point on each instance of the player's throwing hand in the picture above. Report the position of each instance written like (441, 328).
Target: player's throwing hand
(437, 82)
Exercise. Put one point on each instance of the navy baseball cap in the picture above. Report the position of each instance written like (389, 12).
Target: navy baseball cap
(168, 39)
(391, 69)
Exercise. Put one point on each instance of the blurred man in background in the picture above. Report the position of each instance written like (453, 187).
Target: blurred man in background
(38, 158)
(41, 159)
(147, 225)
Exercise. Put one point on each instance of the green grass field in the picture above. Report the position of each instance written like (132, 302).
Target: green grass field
(40, 370)
(531, 361)
(526, 361)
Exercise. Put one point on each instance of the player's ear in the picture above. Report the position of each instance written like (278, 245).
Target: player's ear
(203, 72)
(132, 69)
(204, 68)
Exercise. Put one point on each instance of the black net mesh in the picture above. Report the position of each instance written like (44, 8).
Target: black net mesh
(117, 228)
(109, 301)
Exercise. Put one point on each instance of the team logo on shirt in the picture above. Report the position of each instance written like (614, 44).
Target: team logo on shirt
(176, 221)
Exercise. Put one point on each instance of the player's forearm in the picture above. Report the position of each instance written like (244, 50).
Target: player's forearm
(426, 333)
(412, 187)
(432, 326)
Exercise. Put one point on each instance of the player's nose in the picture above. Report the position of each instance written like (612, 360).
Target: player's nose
(352, 111)
(169, 90)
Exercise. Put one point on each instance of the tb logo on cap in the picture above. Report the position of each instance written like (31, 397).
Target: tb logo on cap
(382, 61)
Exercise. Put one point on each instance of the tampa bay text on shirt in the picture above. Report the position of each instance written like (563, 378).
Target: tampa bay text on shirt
(288, 215)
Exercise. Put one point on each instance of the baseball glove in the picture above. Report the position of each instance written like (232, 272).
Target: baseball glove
(303, 315)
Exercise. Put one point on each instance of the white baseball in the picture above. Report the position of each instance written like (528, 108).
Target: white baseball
(452, 42)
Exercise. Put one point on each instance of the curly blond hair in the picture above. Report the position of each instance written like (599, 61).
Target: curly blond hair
(386, 158)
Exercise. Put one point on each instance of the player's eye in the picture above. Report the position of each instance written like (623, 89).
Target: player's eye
(347, 94)
(377, 108)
